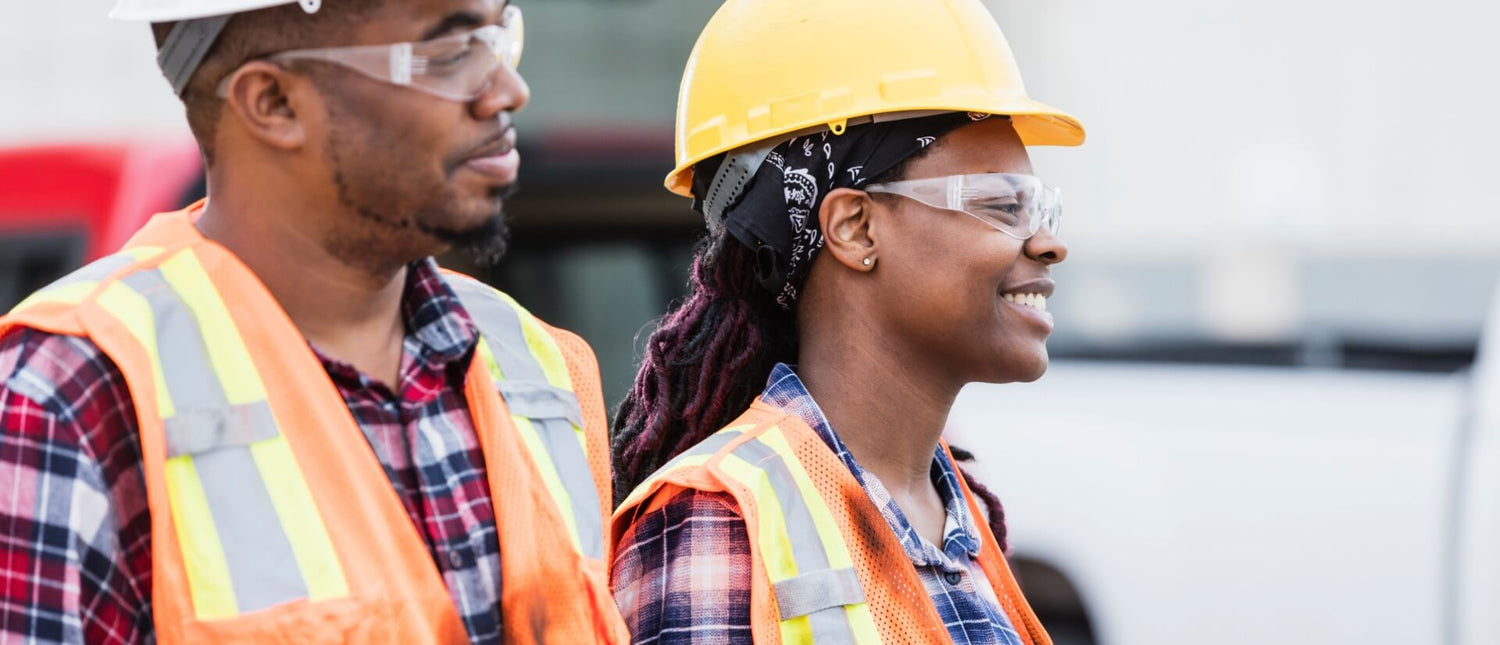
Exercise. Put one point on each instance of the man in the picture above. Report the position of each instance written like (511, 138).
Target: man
(270, 417)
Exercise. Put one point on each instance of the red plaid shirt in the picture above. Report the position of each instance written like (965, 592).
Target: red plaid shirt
(75, 530)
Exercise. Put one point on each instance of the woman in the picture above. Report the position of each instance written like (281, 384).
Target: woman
(882, 230)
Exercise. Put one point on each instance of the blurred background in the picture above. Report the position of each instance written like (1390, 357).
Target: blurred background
(1270, 417)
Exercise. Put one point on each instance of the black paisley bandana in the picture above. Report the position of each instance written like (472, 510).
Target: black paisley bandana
(777, 214)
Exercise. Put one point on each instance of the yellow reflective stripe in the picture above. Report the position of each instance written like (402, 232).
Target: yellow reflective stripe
(691, 458)
(231, 360)
(132, 310)
(550, 478)
(548, 354)
(533, 440)
(295, 509)
(488, 356)
(772, 536)
(68, 294)
(538, 451)
(198, 539)
(828, 530)
(775, 541)
(860, 619)
(543, 346)
(76, 286)
(300, 519)
(639, 494)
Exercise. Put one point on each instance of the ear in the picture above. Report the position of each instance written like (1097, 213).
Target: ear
(848, 229)
(264, 99)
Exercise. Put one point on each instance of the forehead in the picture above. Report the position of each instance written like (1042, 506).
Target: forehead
(404, 20)
(991, 145)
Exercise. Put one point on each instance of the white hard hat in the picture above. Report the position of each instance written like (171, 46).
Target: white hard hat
(199, 23)
(174, 10)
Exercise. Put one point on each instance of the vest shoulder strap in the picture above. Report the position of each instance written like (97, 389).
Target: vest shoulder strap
(800, 544)
(240, 504)
(53, 308)
(545, 377)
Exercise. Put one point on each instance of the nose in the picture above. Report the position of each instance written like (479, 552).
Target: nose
(507, 92)
(1046, 248)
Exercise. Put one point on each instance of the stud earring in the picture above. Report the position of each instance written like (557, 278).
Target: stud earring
(868, 262)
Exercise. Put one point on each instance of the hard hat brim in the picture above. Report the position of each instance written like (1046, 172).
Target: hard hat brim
(1037, 123)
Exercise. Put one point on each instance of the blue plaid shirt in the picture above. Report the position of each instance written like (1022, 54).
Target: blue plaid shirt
(682, 575)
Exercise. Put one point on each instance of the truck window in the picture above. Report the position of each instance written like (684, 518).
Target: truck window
(30, 261)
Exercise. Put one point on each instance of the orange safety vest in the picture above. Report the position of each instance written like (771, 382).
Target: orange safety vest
(271, 519)
(827, 567)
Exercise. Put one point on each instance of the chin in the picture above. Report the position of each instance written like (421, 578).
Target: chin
(1020, 367)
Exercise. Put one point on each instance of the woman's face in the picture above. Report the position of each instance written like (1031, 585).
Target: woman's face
(965, 292)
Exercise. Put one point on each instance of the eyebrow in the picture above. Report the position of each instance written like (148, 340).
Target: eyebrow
(453, 22)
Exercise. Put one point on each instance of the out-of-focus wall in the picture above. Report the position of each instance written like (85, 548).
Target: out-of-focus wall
(1271, 170)
(72, 74)
(1322, 124)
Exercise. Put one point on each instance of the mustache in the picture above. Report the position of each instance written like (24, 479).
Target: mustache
(489, 143)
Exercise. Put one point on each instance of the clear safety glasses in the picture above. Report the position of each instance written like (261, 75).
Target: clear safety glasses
(1016, 205)
(458, 67)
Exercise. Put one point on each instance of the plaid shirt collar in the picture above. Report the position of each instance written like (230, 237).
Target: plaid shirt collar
(960, 534)
(434, 316)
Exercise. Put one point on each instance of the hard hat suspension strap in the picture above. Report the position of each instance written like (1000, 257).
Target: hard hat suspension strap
(190, 41)
(730, 181)
(185, 47)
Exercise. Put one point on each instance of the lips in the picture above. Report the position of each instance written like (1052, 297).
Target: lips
(1030, 298)
(497, 146)
(496, 159)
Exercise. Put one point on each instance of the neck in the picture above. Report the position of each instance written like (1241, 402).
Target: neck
(351, 313)
(885, 405)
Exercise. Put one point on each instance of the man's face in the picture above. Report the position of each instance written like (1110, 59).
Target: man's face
(419, 174)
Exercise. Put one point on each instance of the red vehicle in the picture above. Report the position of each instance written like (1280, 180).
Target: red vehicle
(64, 205)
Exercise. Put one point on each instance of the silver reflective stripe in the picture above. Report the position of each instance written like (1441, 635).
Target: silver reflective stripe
(262, 566)
(818, 590)
(829, 624)
(204, 418)
(196, 430)
(540, 401)
(185, 46)
(95, 271)
(500, 326)
(708, 446)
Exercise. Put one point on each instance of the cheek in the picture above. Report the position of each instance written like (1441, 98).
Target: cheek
(953, 275)
(391, 137)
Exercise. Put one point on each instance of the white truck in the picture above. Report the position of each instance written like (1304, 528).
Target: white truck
(1156, 504)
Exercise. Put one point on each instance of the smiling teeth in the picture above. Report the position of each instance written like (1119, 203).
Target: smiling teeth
(1034, 300)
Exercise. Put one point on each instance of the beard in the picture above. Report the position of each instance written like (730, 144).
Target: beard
(391, 229)
(485, 243)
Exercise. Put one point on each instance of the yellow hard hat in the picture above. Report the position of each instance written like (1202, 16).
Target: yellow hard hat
(769, 68)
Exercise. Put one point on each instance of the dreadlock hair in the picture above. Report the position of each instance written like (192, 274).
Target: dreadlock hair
(709, 358)
(704, 364)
